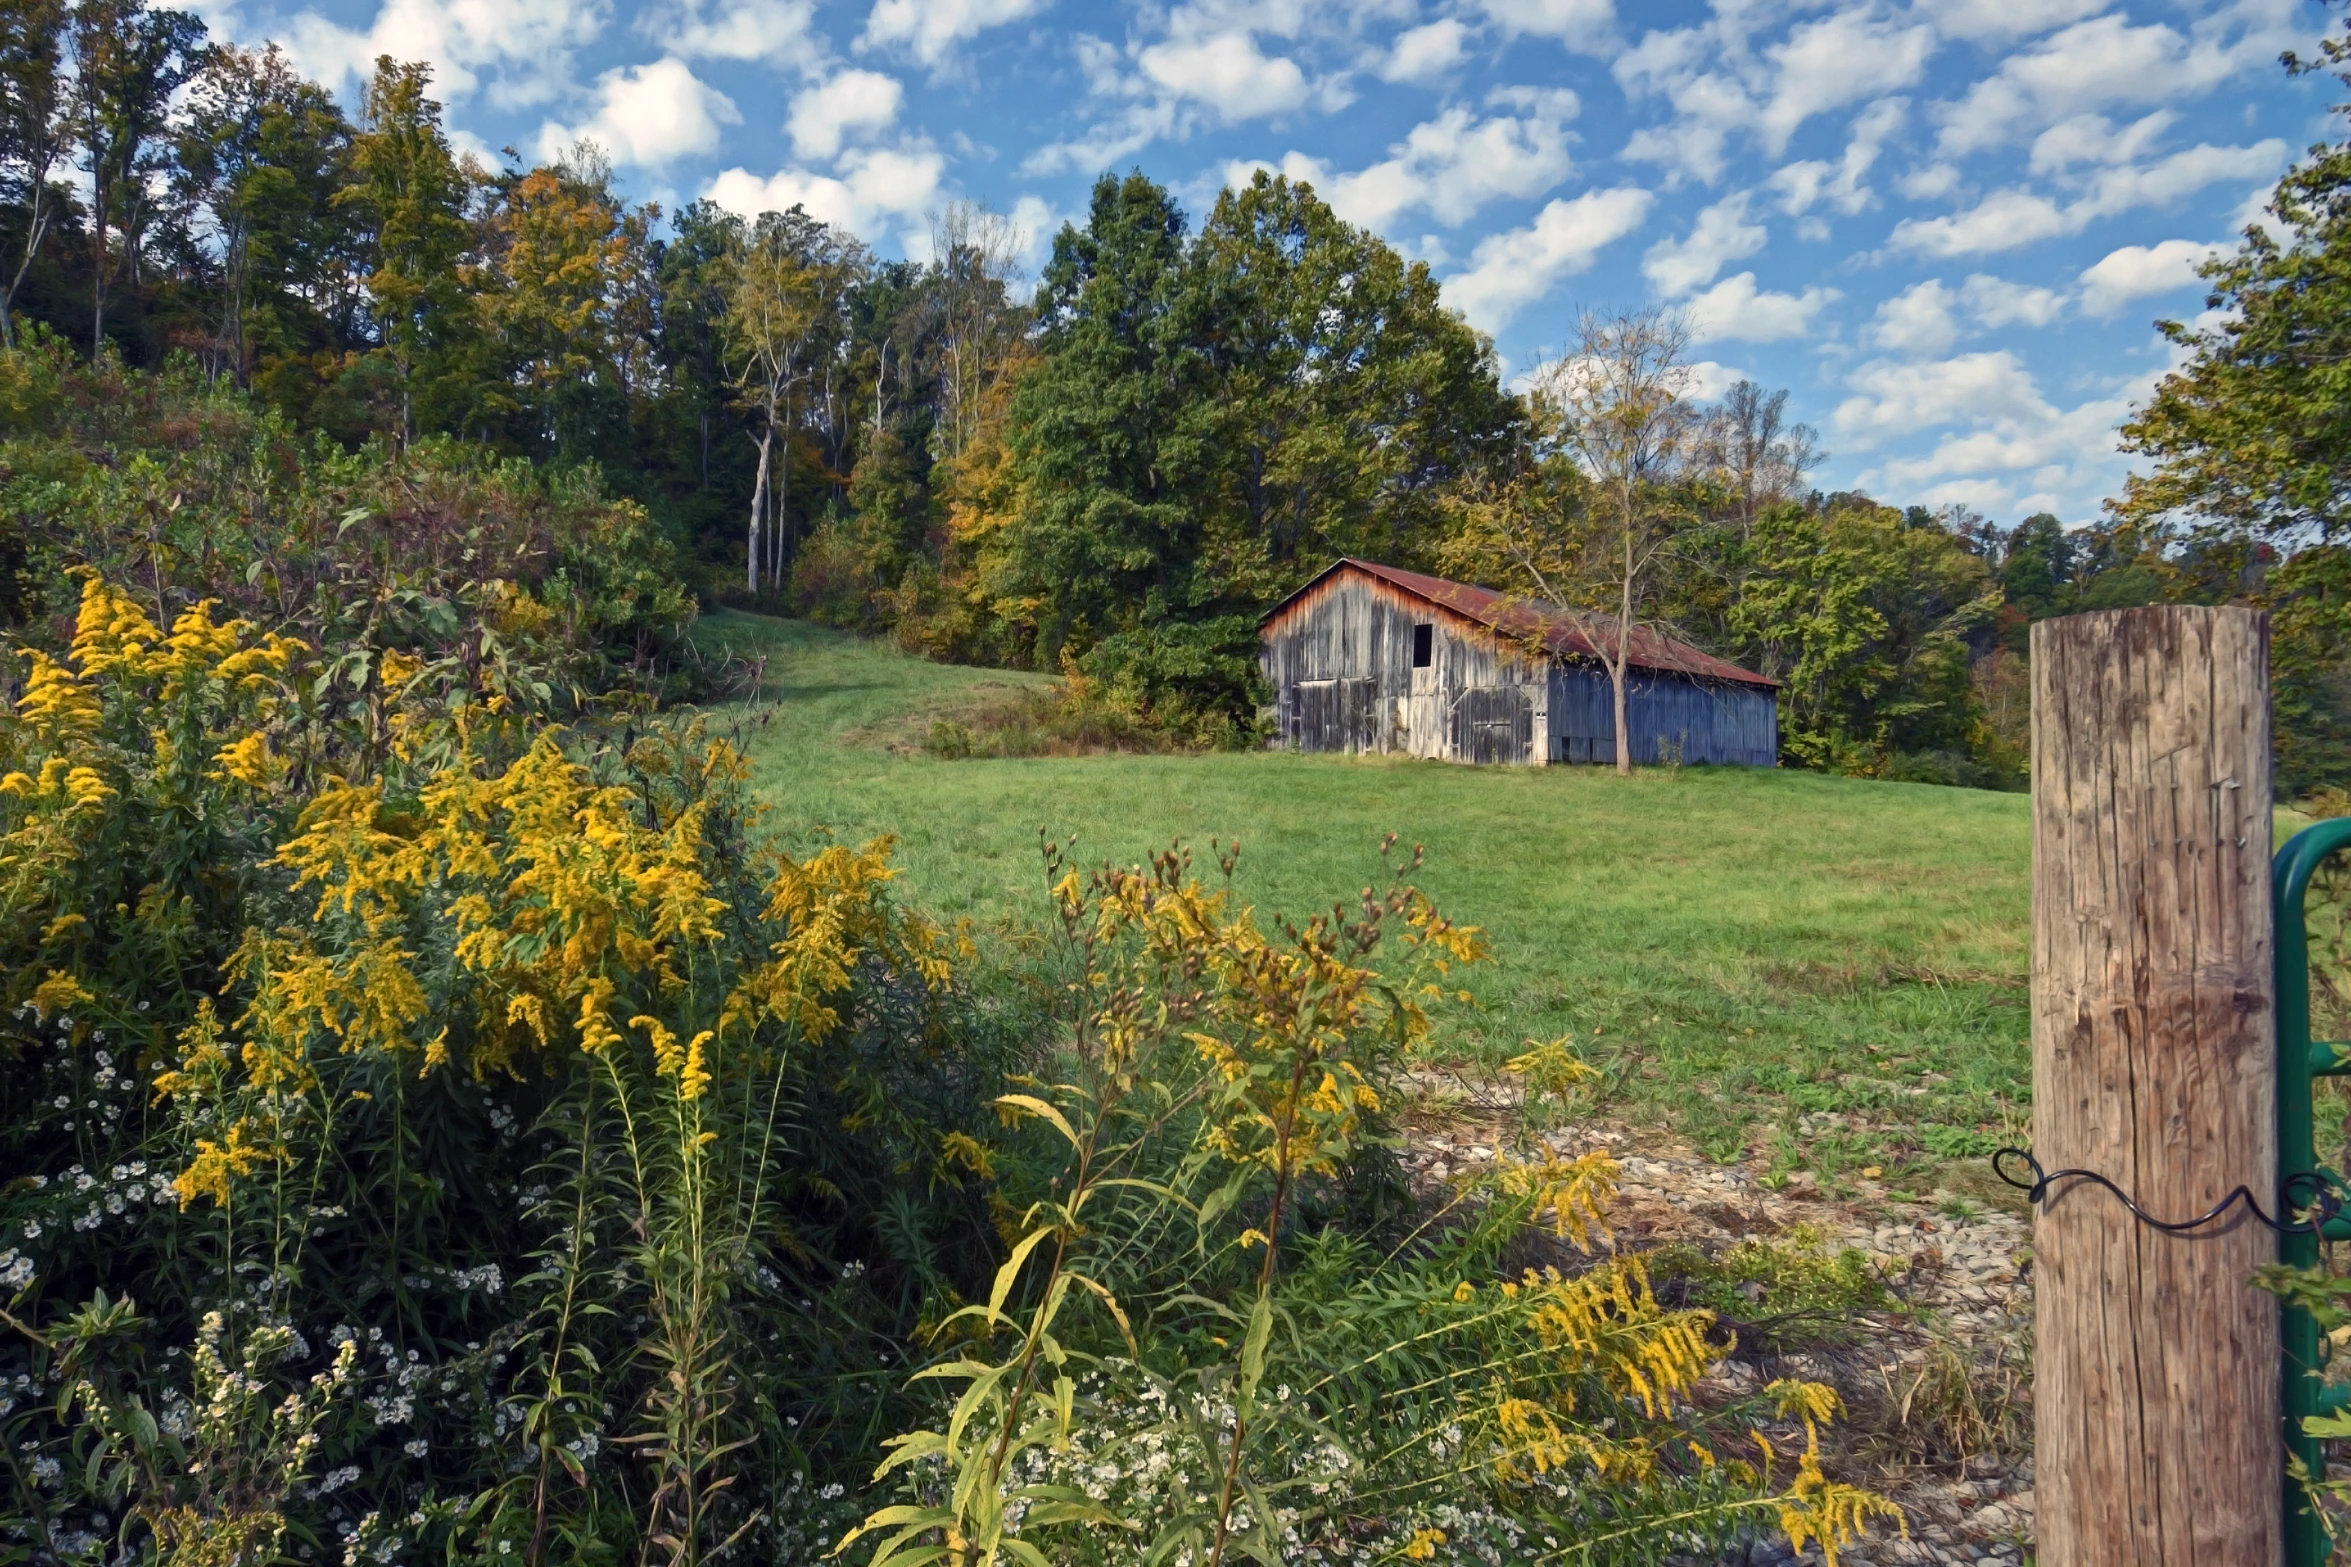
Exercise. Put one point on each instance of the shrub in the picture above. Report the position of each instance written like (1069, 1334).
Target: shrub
(1071, 718)
(1196, 679)
(1077, 716)
(834, 582)
(534, 580)
(1952, 769)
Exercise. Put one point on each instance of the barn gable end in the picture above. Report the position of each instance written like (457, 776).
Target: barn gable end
(1365, 658)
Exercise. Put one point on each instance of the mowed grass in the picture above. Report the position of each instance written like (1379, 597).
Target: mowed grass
(1826, 972)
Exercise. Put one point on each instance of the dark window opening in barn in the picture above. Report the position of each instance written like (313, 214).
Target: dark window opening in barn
(1424, 645)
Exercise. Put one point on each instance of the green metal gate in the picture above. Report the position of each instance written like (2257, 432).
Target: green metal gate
(2300, 1061)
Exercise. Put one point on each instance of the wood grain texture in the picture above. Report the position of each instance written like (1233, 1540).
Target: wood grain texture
(2155, 1378)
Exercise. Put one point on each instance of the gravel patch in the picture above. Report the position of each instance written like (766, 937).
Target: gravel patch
(1960, 1279)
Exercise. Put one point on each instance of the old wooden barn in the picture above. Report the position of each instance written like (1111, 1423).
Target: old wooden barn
(1369, 658)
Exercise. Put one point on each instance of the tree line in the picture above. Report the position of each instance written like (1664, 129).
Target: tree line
(1118, 470)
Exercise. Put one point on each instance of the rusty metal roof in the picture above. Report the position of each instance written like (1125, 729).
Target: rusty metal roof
(1556, 632)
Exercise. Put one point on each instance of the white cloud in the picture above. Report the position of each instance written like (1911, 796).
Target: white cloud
(1835, 61)
(1709, 104)
(1721, 87)
(2095, 64)
(2032, 436)
(1425, 53)
(1585, 25)
(1511, 270)
(1896, 398)
(1802, 184)
(648, 116)
(1996, 302)
(2001, 423)
(873, 186)
(1158, 89)
(1987, 496)
(220, 17)
(1918, 321)
(1205, 66)
(1103, 65)
(1999, 20)
(2168, 179)
(1228, 72)
(854, 101)
(1689, 144)
(523, 46)
(1925, 319)
(2001, 221)
(1735, 310)
(930, 30)
(1111, 141)
(776, 30)
(1721, 235)
(2092, 138)
(1539, 103)
(1448, 167)
(1931, 182)
(1710, 379)
(2253, 212)
(2136, 271)
(1036, 223)
(2009, 218)
(1296, 167)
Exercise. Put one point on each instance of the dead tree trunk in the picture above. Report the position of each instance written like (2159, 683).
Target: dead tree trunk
(2155, 1377)
(751, 540)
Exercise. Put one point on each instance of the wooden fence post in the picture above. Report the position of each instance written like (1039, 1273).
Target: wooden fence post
(2155, 1379)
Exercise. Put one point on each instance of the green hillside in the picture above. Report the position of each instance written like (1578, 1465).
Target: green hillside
(1738, 948)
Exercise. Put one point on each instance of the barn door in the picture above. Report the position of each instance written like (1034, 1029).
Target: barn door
(1360, 700)
(1335, 715)
(1310, 715)
(1495, 724)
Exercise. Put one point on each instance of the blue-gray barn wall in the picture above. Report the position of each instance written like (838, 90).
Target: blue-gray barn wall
(1667, 715)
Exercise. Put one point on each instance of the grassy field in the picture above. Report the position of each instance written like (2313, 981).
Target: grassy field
(1824, 971)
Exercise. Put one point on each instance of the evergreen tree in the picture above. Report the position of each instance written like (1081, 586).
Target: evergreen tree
(1104, 536)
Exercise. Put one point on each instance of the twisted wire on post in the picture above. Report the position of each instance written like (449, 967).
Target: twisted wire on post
(2324, 1204)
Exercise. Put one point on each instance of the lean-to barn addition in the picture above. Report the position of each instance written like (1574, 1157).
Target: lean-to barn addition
(1369, 658)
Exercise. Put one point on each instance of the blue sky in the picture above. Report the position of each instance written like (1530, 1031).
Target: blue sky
(1947, 228)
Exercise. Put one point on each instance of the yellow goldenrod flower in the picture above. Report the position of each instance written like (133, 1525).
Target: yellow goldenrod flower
(59, 994)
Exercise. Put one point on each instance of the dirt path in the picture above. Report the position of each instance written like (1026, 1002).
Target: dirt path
(1933, 1372)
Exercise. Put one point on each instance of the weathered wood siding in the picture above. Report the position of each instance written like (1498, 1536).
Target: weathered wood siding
(1340, 663)
(1670, 717)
